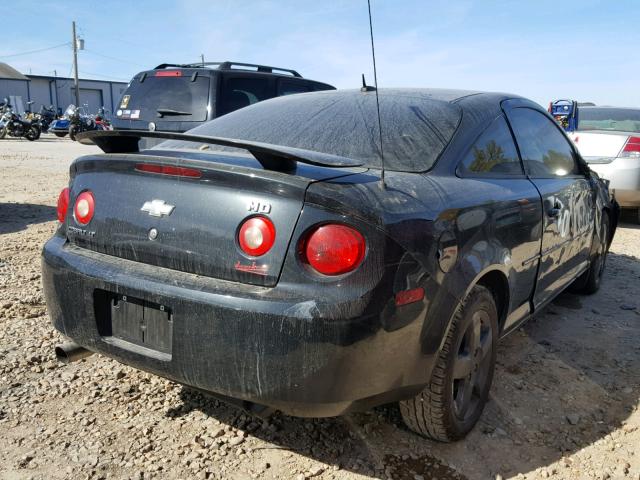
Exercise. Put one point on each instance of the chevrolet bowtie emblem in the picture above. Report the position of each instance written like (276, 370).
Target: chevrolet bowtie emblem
(157, 208)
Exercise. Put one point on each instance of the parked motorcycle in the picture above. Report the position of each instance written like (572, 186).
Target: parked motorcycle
(45, 117)
(63, 126)
(42, 118)
(102, 122)
(60, 126)
(79, 122)
(75, 121)
(11, 124)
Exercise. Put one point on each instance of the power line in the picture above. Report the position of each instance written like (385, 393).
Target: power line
(114, 58)
(104, 76)
(117, 38)
(35, 51)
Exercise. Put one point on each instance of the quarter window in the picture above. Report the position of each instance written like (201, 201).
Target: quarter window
(545, 150)
(241, 92)
(494, 153)
(287, 87)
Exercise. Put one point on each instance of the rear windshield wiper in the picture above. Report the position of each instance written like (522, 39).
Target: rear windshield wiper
(168, 111)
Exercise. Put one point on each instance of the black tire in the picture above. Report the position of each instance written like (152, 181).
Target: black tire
(450, 406)
(589, 282)
(3, 132)
(33, 133)
(72, 132)
(60, 134)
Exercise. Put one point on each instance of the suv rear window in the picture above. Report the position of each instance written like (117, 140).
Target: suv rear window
(415, 127)
(176, 93)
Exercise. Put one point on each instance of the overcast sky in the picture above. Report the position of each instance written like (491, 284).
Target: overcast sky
(542, 49)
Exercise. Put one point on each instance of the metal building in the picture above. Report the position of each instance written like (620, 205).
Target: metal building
(57, 91)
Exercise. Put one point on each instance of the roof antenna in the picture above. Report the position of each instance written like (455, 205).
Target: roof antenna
(365, 88)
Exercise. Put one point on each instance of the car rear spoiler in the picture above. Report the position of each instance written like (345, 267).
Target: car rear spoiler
(271, 157)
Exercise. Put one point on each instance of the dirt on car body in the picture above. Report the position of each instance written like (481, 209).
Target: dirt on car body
(565, 400)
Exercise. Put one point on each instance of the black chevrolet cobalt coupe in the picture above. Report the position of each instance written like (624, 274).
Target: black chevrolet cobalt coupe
(267, 258)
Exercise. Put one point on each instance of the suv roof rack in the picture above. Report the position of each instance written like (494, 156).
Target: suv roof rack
(229, 66)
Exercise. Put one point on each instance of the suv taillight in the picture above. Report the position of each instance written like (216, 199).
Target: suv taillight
(63, 204)
(631, 148)
(333, 249)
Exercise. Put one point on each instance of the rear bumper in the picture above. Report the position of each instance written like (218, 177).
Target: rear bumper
(269, 346)
(624, 175)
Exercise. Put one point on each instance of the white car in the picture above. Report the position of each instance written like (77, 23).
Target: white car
(608, 138)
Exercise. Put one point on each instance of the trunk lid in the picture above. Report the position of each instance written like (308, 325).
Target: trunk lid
(199, 234)
(599, 147)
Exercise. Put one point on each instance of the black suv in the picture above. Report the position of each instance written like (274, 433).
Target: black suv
(176, 98)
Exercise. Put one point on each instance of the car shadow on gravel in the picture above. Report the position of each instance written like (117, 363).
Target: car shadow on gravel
(350, 443)
(15, 217)
(569, 378)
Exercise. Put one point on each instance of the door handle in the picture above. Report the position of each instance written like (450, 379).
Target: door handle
(553, 212)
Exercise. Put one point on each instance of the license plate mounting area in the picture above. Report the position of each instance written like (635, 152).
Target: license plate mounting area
(136, 322)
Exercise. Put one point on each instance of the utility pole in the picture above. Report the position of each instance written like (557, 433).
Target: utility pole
(55, 84)
(202, 57)
(75, 64)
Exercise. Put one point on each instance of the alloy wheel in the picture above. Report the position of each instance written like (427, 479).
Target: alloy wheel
(472, 365)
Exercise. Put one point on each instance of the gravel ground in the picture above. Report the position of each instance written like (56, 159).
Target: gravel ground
(564, 402)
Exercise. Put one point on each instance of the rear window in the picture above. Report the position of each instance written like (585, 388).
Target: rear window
(605, 118)
(180, 98)
(415, 127)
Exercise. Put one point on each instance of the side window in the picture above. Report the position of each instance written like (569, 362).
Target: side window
(239, 92)
(287, 87)
(493, 154)
(545, 151)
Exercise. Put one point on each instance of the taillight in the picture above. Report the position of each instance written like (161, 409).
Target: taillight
(631, 148)
(63, 204)
(334, 249)
(168, 170)
(256, 236)
(85, 205)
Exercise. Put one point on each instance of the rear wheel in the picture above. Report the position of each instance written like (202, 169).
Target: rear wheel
(60, 134)
(449, 407)
(33, 133)
(589, 282)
